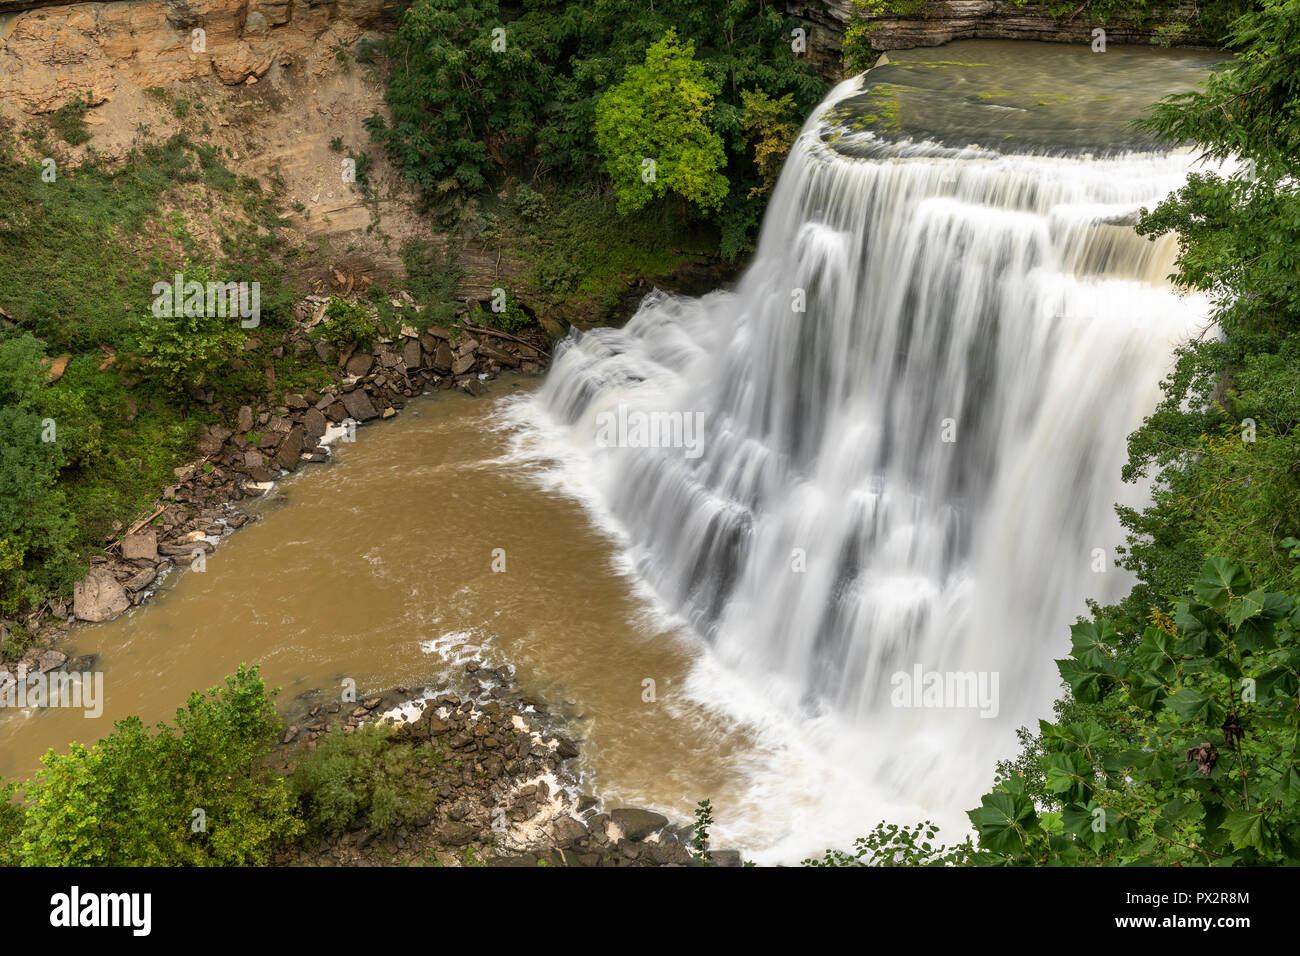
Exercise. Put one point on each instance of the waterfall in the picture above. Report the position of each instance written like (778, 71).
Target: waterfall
(912, 414)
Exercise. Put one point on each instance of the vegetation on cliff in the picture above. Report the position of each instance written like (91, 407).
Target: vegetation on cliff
(480, 92)
(81, 247)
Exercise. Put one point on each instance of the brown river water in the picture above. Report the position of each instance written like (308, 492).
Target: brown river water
(379, 567)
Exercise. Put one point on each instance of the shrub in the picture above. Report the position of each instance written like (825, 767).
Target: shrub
(513, 318)
(133, 798)
(346, 324)
(69, 121)
(363, 775)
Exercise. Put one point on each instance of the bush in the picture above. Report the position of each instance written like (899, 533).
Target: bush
(513, 318)
(359, 776)
(892, 845)
(1189, 756)
(346, 324)
(69, 121)
(197, 793)
(38, 528)
(183, 350)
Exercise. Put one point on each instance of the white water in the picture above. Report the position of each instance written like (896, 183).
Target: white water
(978, 291)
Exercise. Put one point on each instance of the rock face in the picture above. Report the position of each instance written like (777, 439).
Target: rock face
(54, 52)
(941, 22)
(99, 597)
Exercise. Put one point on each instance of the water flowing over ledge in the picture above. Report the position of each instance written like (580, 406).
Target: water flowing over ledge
(914, 408)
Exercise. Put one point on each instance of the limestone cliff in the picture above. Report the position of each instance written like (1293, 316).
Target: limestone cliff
(51, 53)
(945, 20)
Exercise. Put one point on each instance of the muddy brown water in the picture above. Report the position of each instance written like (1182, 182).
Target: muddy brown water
(379, 567)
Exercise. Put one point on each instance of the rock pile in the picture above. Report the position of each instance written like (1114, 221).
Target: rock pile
(507, 791)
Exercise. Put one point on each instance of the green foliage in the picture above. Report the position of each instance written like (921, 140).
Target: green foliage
(772, 125)
(187, 350)
(11, 824)
(700, 852)
(363, 775)
(36, 544)
(892, 845)
(1192, 758)
(346, 324)
(130, 800)
(464, 114)
(69, 121)
(529, 203)
(654, 130)
(513, 318)
(457, 105)
(16, 642)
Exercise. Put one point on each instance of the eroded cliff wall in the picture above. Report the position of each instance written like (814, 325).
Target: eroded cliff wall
(945, 20)
(50, 53)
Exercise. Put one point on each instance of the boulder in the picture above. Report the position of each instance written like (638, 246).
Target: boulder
(98, 596)
(51, 661)
(359, 405)
(56, 367)
(314, 424)
(441, 358)
(567, 831)
(287, 454)
(638, 824)
(456, 834)
(141, 545)
(463, 364)
(498, 356)
(411, 355)
(360, 364)
(141, 579)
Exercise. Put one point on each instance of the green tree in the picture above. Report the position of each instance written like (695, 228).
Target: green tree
(653, 130)
(365, 775)
(36, 527)
(1193, 758)
(131, 799)
(772, 125)
(463, 92)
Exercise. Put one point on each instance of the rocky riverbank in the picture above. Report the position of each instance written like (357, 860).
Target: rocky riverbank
(254, 445)
(501, 768)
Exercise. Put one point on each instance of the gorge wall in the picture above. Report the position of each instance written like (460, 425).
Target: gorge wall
(50, 53)
(946, 20)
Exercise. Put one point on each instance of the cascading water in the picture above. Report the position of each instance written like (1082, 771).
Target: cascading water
(913, 411)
